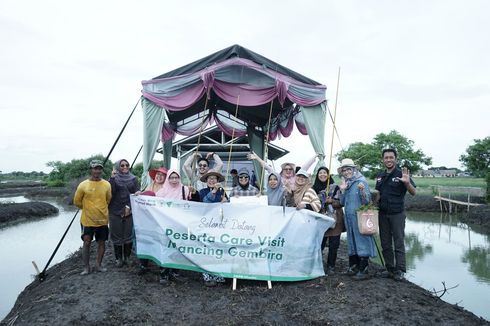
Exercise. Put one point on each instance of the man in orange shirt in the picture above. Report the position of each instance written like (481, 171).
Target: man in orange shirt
(92, 197)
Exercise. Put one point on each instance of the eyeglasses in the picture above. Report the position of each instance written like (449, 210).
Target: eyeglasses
(288, 169)
(173, 178)
(346, 170)
(124, 165)
(242, 177)
(203, 165)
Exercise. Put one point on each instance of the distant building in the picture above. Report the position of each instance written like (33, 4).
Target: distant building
(437, 173)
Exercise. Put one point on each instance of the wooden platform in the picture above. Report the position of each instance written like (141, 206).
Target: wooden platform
(469, 191)
(456, 201)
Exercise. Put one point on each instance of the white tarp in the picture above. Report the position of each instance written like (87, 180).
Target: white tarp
(231, 240)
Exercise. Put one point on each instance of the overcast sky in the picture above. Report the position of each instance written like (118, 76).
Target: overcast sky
(71, 71)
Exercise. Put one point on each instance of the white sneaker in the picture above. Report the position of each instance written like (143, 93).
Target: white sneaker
(85, 272)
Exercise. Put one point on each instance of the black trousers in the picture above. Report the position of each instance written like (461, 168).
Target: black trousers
(333, 247)
(392, 235)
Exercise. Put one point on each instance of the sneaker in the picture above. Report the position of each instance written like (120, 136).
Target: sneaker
(85, 272)
(100, 269)
(399, 276)
(177, 277)
(386, 274)
(164, 279)
(142, 270)
(352, 270)
(119, 263)
(210, 283)
(361, 275)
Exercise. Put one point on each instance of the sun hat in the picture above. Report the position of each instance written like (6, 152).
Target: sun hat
(303, 173)
(148, 193)
(346, 163)
(220, 177)
(96, 163)
(292, 165)
(153, 172)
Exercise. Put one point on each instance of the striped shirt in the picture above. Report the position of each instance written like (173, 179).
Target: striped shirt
(310, 198)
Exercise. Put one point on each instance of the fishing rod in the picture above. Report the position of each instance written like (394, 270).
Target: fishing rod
(42, 276)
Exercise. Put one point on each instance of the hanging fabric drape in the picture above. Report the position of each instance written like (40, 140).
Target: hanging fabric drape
(153, 119)
(256, 143)
(314, 118)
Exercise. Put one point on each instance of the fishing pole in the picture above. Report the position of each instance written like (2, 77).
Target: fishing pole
(42, 276)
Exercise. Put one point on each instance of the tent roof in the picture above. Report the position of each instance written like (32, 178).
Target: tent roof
(234, 81)
(239, 52)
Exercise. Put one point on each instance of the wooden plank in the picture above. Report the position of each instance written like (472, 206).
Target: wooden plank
(456, 201)
(473, 191)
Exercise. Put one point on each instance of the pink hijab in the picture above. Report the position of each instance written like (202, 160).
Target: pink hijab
(170, 191)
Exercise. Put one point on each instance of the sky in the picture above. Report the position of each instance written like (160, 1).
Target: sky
(71, 71)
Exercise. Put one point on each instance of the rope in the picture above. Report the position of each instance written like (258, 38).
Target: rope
(266, 150)
(193, 164)
(231, 144)
(333, 130)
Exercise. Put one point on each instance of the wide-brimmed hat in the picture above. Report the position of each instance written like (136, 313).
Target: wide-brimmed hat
(292, 165)
(346, 163)
(220, 177)
(153, 172)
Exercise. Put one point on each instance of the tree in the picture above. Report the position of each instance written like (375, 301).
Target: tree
(368, 156)
(137, 169)
(477, 160)
(64, 173)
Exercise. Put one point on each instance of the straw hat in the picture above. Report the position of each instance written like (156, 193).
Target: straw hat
(220, 177)
(346, 163)
(153, 172)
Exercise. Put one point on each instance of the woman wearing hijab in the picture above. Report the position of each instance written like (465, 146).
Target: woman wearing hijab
(355, 193)
(213, 193)
(244, 188)
(158, 177)
(330, 205)
(275, 190)
(303, 196)
(174, 189)
(288, 170)
(123, 183)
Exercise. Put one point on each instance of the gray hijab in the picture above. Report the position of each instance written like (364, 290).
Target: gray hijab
(275, 196)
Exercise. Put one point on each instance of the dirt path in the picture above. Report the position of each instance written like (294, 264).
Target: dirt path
(120, 296)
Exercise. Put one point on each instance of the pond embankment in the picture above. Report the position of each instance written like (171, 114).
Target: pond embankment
(121, 296)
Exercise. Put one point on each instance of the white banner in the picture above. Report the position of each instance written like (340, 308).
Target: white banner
(236, 241)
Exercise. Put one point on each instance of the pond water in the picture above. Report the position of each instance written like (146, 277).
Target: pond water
(439, 249)
(34, 240)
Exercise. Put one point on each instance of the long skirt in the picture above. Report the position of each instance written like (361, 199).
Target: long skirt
(121, 229)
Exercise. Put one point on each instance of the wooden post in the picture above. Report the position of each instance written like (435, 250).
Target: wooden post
(440, 197)
(234, 284)
(468, 208)
(450, 204)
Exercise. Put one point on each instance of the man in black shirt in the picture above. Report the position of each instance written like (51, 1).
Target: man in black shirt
(392, 185)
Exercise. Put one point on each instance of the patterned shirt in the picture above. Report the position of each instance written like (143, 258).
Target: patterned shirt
(239, 191)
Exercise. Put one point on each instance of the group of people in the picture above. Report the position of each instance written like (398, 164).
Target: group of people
(108, 202)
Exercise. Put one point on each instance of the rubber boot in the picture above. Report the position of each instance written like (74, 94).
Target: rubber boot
(362, 274)
(353, 265)
(127, 251)
(118, 255)
(164, 276)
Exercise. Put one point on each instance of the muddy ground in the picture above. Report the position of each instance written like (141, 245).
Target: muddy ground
(122, 297)
(16, 212)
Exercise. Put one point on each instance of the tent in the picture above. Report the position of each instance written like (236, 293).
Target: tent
(240, 91)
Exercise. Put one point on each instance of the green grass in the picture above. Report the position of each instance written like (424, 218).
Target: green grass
(424, 184)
